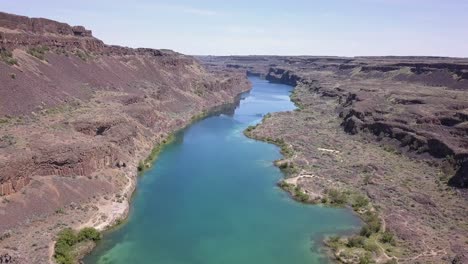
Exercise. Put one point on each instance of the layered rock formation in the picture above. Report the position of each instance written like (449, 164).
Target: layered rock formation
(420, 102)
(392, 129)
(76, 117)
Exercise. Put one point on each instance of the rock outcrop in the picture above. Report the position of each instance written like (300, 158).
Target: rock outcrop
(74, 109)
(392, 129)
(418, 104)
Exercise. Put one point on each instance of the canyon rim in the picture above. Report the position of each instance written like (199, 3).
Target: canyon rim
(385, 137)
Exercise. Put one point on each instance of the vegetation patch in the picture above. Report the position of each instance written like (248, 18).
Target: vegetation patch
(387, 237)
(199, 116)
(295, 98)
(38, 52)
(371, 240)
(60, 109)
(4, 121)
(145, 164)
(249, 129)
(141, 165)
(286, 150)
(68, 240)
(83, 55)
(7, 140)
(287, 167)
(7, 57)
(295, 191)
(9, 120)
(337, 197)
(356, 241)
(300, 196)
(360, 201)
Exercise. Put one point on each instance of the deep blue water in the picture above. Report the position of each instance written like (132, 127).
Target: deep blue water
(211, 198)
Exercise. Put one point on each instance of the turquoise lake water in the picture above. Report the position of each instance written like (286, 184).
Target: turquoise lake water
(211, 198)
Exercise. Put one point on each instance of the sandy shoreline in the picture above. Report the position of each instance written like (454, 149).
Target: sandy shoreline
(110, 212)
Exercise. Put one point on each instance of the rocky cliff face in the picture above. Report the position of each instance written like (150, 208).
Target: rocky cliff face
(73, 110)
(392, 129)
(418, 104)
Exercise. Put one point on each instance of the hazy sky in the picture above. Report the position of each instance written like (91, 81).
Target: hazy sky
(307, 27)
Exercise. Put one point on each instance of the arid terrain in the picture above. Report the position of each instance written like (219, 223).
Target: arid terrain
(77, 117)
(387, 136)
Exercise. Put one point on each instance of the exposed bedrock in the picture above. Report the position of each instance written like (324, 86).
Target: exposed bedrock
(282, 76)
(417, 139)
(72, 106)
(417, 104)
(387, 111)
(432, 132)
(438, 137)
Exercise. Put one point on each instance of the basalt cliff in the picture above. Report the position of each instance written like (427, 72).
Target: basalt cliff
(77, 117)
(387, 136)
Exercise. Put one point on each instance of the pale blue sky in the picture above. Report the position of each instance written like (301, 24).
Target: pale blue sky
(332, 27)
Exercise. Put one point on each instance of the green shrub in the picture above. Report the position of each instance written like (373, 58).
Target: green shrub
(83, 55)
(365, 231)
(250, 128)
(373, 221)
(284, 185)
(67, 238)
(141, 165)
(299, 195)
(7, 57)
(356, 241)
(387, 237)
(360, 201)
(38, 52)
(365, 259)
(337, 197)
(89, 233)
(286, 150)
(371, 246)
(283, 165)
(63, 254)
(63, 247)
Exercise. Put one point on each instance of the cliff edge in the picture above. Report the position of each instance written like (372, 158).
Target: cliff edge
(77, 117)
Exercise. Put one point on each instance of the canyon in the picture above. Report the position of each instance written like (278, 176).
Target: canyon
(78, 119)
(393, 129)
